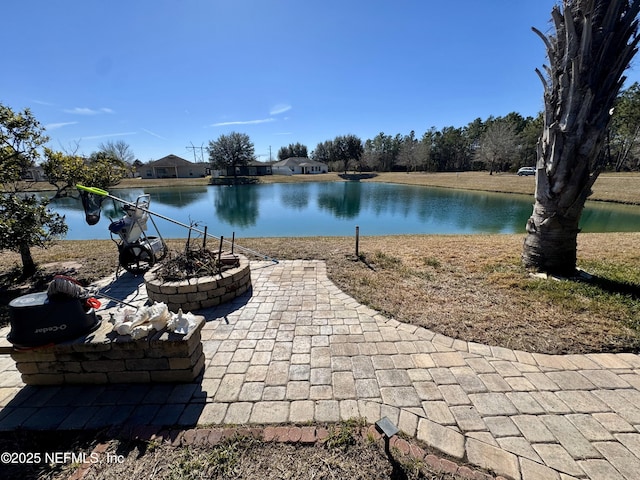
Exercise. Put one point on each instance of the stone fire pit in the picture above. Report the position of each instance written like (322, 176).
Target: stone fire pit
(199, 292)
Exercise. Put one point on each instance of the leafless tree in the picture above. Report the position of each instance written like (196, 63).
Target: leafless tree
(498, 145)
(119, 150)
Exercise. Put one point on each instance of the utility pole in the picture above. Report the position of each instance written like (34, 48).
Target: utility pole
(269, 152)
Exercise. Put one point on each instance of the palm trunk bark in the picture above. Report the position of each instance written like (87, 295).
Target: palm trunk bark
(593, 44)
(552, 240)
(564, 179)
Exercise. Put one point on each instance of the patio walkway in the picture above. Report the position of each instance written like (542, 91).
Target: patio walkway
(300, 350)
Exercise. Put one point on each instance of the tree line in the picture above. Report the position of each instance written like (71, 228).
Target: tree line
(496, 144)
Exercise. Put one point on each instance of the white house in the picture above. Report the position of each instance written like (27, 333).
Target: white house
(298, 165)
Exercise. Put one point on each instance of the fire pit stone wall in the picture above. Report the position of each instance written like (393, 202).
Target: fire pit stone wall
(103, 357)
(200, 292)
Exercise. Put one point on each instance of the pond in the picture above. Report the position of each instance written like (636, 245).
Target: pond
(334, 209)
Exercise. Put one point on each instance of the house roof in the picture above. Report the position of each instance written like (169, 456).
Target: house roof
(256, 163)
(296, 162)
(171, 161)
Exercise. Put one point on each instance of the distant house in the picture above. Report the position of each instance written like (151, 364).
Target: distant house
(252, 169)
(34, 174)
(172, 166)
(298, 165)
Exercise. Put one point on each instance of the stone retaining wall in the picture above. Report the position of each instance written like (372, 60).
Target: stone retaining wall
(104, 356)
(202, 292)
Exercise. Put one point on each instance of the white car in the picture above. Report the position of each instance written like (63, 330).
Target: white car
(527, 171)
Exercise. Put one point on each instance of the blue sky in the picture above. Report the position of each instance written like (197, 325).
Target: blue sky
(163, 75)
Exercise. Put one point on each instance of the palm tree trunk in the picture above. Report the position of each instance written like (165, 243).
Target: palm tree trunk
(560, 197)
(551, 241)
(593, 44)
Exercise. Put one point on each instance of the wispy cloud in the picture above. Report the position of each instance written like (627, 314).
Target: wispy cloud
(88, 111)
(153, 134)
(41, 102)
(107, 135)
(54, 126)
(244, 122)
(279, 108)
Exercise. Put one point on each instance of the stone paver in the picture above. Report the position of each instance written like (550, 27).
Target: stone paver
(299, 350)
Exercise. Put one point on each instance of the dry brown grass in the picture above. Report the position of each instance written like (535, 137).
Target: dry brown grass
(344, 454)
(243, 458)
(473, 288)
(467, 287)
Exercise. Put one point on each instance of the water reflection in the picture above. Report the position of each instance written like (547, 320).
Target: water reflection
(343, 199)
(624, 218)
(295, 197)
(238, 205)
(310, 209)
(175, 197)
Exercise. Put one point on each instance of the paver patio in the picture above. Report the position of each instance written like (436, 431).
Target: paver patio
(300, 350)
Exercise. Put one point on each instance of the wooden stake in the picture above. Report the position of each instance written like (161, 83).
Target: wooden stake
(220, 255)
(357, 241)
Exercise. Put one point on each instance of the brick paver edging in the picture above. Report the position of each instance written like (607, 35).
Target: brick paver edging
(307, 435)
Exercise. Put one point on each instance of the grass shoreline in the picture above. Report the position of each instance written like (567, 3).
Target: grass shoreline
(610, 187)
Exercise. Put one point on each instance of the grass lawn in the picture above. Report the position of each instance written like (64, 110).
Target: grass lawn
(470, 287)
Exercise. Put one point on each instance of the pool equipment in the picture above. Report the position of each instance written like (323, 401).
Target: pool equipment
(137, 251)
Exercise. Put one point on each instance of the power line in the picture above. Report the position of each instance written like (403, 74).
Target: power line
(193, 148)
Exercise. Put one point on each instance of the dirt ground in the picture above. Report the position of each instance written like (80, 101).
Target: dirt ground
(345, 456)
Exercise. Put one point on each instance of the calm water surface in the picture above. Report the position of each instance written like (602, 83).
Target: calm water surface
(332, 208)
